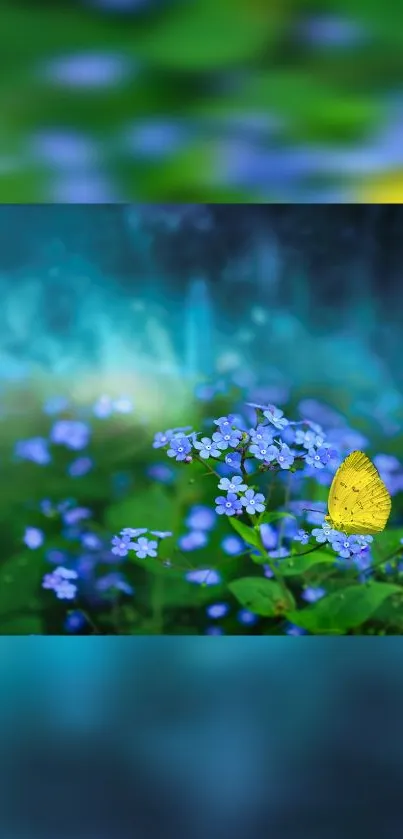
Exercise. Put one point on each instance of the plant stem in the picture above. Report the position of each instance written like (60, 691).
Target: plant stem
(157, 595)
(207, 466)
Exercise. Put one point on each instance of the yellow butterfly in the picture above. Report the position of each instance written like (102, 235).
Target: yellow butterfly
(359, 502)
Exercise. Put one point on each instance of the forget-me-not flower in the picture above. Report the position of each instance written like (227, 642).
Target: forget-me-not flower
(229, 505)
(253, 501)
(234, 484)
(207, 448)
(179, 448)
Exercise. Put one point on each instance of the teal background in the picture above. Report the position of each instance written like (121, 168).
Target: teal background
(223, 735)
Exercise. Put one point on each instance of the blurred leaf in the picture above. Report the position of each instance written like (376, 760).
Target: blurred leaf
(208, 35)
(261, 596)
(387, 542)
(267, 518)
(248, 534)
(299, 565)
(315, 109)
(345, 610)
(20, 582)
(24, 625)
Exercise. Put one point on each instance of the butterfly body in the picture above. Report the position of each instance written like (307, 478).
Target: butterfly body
(359, 503)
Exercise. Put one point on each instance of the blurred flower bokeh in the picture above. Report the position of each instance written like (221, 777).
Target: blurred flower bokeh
(174, 100)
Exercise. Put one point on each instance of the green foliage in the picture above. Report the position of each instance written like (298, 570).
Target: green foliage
(345, 609)
(261, 596)
(297, 566)
(248, 534)
(20, 589)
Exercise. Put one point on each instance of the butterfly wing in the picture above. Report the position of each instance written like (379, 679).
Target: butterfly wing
(359, 502)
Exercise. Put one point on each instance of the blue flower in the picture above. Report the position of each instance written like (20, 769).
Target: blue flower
(246, 617)
(73, 434)
(276, 417)
(228, 506)
(324, 534)
(386, 463)
(33, 537)
(217, 610)
(59, 582)
(261, 434)
(114, 581)
(103, 407)
(279, 553)
(233, 459)
(56, 556)
(313, 593)
(345, 546)
(133, 532)
(200, 518)
(179, 448)
(214, 630)
(207, 448)
(161, 472)
(91, 541)
(232, 545)
(123, 405)
(291, 629)
(253, 502)
(233, 484)
(204, 576)
(302, 536)
(145, 547)
(265, 452)
(308, 439)
(79, 467)
(227, 439)
(225, 423)
(364, 541)
(268, 535)
(193, 540)
(162, 438)
(285, 457)
(161, 534)
(318, 458)
(75, 621)
(75, 515)
(121, 545)
(35, 449)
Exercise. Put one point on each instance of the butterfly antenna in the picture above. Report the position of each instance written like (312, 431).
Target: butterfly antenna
(310, 510)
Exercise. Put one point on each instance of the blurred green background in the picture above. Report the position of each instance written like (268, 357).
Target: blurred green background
(130, 320)
(242, 100)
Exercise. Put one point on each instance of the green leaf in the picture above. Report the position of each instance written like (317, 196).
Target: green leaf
(24, 625)
(208, 35)
(344, 610)
(261, 596)
(294, 566)
(267, 518)
(20, 583)
(387, 542)
(248, 534)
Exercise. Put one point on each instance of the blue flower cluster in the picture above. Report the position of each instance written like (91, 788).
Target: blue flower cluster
(274, 443)
(262, 446)
(143, 547)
